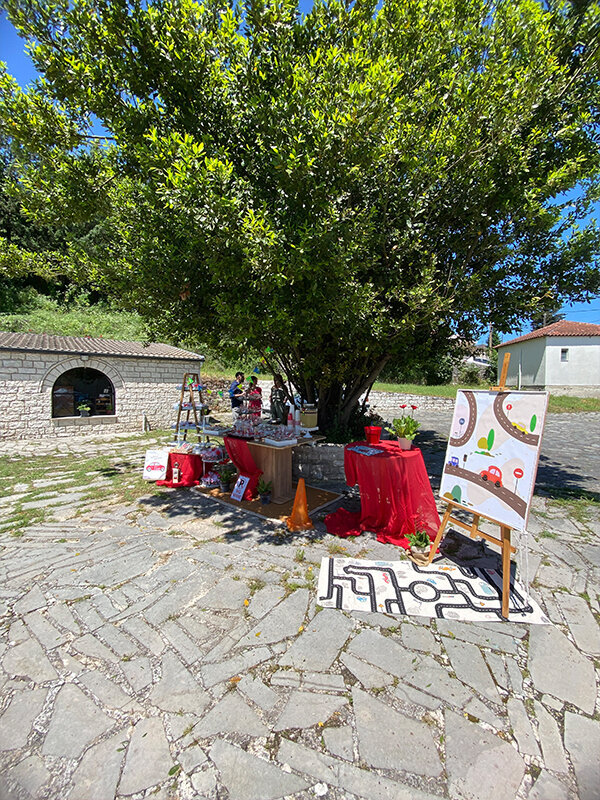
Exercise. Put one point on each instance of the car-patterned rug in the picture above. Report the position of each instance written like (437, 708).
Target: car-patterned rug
(445, 591)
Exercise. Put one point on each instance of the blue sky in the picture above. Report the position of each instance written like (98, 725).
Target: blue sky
(12, 52)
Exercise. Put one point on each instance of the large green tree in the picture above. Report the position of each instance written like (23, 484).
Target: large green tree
(332, 190)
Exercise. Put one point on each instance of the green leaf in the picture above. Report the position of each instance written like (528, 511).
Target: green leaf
(533, 423)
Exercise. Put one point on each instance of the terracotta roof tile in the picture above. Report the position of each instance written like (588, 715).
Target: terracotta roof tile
(42, 342)
(563, 327)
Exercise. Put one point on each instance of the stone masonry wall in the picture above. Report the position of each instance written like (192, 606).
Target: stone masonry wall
(320, 462)
(142, 386)
(387, 404)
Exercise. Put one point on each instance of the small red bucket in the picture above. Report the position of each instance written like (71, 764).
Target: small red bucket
(373, 434)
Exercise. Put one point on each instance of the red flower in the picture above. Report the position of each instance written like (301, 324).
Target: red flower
(414, 408)
(404, 406)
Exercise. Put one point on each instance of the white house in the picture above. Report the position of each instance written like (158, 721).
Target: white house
(43, 380)
(563, 358)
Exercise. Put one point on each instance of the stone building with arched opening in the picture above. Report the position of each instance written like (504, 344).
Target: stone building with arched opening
(47, 382)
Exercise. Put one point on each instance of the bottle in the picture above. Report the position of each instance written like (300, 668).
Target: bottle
(290, 425)
(176, 473)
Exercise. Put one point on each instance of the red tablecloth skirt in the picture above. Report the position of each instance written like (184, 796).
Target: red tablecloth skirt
(191, 467)
(395, 495)
(239, 452)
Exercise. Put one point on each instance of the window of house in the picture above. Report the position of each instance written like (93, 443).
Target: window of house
(564, 354)
(83, 386)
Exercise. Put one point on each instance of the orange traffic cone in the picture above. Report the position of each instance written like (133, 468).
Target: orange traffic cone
(299, 519)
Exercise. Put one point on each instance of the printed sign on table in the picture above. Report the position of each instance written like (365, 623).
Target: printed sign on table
(240, 488)
(493, 453)
(364, 450)
(155, 465)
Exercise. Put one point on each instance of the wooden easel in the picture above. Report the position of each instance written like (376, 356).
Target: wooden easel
(473, 530)
(189, 379)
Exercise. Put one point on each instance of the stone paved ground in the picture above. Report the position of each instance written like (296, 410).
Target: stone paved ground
(166, 647)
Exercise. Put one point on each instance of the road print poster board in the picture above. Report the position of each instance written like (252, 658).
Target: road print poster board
(493, 453)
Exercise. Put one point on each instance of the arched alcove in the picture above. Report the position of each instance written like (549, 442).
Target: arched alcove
(83, 386)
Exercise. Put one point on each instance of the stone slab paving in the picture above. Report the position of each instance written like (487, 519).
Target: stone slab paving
(173, 649)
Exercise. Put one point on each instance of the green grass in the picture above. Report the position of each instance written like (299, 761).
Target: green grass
(564, 404)
(578, 504)
(123, 476)
(41, 314)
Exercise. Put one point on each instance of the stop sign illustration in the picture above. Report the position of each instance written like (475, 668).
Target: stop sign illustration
(518, 473)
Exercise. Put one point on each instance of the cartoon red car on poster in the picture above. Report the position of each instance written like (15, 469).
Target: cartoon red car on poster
(155, 465)
(493, 474)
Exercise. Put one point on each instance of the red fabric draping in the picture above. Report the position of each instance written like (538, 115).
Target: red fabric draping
(240, 454)
(395, 494)
(191, 467)
(343, 523)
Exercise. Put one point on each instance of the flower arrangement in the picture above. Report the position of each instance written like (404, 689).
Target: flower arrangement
(84, 407)
(406, 426)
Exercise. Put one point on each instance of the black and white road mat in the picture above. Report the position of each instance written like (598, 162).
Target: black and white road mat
(445, 591)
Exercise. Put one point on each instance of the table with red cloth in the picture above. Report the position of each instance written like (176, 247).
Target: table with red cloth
(191, 467)
(239, 452)
(395, 494)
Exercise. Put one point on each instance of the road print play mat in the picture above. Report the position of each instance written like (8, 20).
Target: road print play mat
(445, 591)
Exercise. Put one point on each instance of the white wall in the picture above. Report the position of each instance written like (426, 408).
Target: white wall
(142, 385)
(527, 359)
(583, 365)
(541, 365)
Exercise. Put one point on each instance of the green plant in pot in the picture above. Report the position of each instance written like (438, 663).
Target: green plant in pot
(420, 543)
(405, 428)
(84, 409)
(264, 490)
(227, 474)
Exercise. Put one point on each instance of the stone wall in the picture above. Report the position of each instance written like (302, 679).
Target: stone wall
(388, 404)
(143, 386)
(319, 462)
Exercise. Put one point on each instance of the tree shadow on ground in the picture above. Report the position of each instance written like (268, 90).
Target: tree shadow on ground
(232, 525)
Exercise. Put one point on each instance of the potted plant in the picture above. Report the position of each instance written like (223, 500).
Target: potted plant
(420, 545)
(405, 428)
(226, 473)
(264, 491)
(84, 409)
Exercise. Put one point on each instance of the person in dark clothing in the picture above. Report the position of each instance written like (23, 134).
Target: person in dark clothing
(279, 401)
(236, 390)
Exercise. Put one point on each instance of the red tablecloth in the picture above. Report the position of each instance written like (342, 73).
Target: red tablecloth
(395, 495)
(240, 454)
(191, 467)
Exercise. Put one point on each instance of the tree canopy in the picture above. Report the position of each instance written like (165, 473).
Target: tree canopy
(331, 190)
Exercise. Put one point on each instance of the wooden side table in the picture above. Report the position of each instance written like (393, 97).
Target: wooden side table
(276, 466)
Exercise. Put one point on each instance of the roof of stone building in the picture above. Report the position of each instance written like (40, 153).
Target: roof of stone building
(563, 327)
(87, 345)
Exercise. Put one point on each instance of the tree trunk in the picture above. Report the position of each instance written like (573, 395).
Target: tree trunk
(337, 402)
